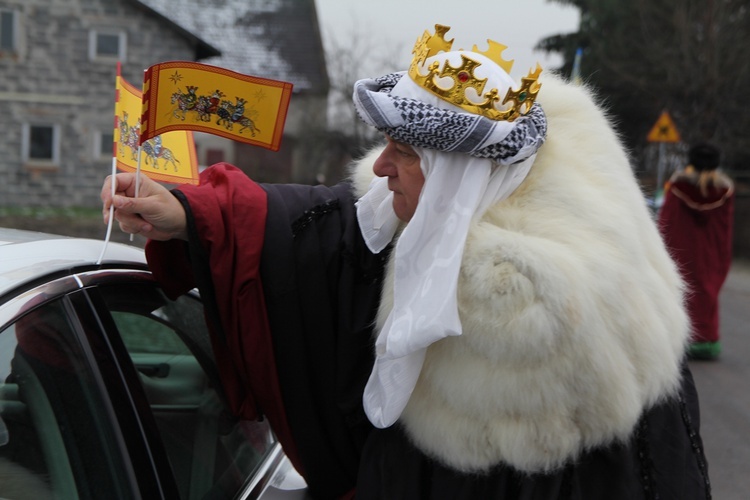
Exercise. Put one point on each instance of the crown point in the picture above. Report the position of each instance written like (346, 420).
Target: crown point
(441, 30)
(428, 45)
(494, 52)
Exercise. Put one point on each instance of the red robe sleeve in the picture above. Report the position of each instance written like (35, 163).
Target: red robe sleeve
(226, 223)
(290, 291)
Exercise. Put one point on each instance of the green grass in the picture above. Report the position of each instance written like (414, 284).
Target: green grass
(73, 221)
(50, 212)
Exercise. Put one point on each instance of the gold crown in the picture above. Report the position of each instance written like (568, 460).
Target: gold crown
(463, 77)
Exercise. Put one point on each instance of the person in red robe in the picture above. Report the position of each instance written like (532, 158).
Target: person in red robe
(696, 221)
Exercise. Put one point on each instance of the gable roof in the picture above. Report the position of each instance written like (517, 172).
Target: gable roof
(277, 39)
(203, 49)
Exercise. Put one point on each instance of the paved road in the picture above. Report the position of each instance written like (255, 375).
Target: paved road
(724, 392)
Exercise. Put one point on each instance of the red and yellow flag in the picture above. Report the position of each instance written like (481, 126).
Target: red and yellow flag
(168, 157)
(183, 95)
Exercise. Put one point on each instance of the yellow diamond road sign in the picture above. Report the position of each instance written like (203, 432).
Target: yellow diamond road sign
(664, 130)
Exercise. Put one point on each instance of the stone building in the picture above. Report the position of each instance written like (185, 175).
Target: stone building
(57, 78)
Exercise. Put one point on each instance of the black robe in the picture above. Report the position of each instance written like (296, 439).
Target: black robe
(291, 293)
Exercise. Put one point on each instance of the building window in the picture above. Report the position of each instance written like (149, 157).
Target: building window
(107, 44)
(214, 156)
(8, 30)
(103, 144)
(41, 144)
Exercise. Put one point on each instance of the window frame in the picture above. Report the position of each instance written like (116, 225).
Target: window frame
(14, 35)
(54, 161)
(122, 43)
(101, 152)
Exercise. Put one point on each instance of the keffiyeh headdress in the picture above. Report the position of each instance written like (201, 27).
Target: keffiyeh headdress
(475, 151)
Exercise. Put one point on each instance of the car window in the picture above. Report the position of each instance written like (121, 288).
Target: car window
(54, 419)
(212, 453)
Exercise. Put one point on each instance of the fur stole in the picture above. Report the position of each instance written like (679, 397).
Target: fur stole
(572, 309)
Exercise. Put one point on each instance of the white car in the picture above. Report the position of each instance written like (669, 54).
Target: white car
(108, 389)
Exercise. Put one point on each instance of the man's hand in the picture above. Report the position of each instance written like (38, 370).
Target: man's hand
(155, 213)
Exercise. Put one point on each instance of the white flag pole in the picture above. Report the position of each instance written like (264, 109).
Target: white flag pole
(137, 178)
(111, 211)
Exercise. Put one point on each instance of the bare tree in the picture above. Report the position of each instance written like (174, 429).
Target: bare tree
(353, 58)
(685, 56)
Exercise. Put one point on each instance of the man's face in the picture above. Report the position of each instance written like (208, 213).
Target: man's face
(401, 165)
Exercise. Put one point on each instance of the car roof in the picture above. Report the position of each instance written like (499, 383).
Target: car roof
(27, 255)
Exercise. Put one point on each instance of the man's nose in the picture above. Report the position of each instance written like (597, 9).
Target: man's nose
(384, 166)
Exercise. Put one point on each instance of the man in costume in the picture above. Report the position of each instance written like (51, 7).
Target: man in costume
(697, 221)
(515, 330)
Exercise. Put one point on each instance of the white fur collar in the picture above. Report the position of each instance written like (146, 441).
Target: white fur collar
(570, 305)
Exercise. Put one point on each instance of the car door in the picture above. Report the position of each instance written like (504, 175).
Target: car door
(67, 434)
(130, 404)
(212, 453)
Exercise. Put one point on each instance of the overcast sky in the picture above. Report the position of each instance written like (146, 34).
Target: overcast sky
(519, 24)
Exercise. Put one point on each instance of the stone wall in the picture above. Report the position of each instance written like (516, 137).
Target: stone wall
(51, 80)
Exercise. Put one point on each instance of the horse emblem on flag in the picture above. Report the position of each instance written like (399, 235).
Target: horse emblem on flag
(205, 107)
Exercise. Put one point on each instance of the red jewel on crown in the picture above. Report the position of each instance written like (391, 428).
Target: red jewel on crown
(463, 77)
